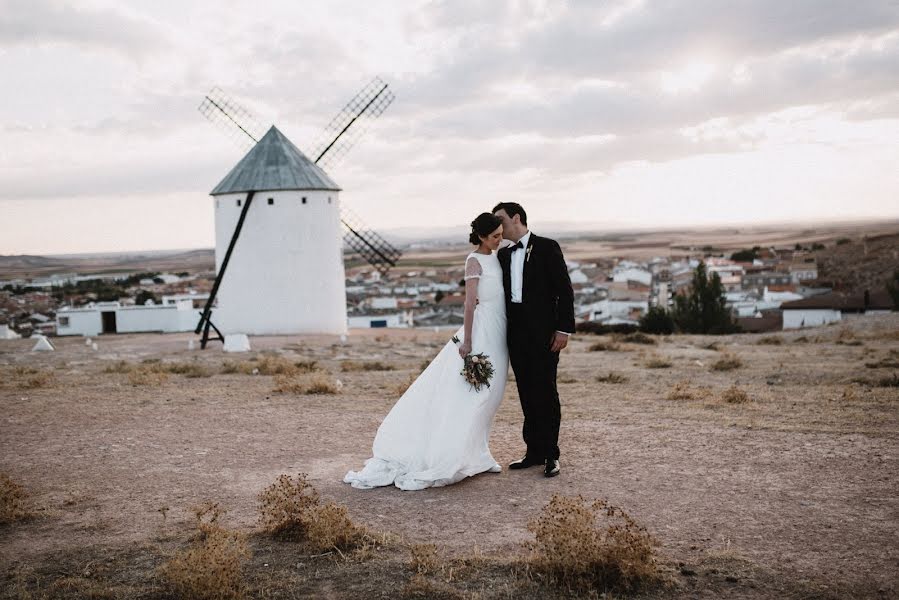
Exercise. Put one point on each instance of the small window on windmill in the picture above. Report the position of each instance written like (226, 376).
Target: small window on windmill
(238, 202)
(64, 321)
(304, 199)
(329, 199)
(271, 201)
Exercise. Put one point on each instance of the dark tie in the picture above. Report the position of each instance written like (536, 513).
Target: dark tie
(516, 246)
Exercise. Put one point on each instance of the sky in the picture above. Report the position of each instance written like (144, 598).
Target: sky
(615, 114)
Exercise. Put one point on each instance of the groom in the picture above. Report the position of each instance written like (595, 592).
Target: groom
(540, 314)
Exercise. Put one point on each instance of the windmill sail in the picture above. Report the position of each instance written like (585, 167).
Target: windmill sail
(338, 137)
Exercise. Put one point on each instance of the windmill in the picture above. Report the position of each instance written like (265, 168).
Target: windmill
(288, 275)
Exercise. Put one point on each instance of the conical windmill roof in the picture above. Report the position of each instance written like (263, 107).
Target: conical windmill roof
(274, 163)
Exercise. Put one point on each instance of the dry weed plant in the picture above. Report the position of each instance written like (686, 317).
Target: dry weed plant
(728, 362)
(423, 558)
(188, 369)
(714, 346)
(770, 340)
(591, 546)
(399, 388)
(353, 365)
(884, 363)
(292, 510)
(637, 337)
(801, 340)
(849, 394)
(657, 362)
(212, 567)
(313, 383)
(681, 391)
(420, 586)
(13, 501)
(147, 376)
(734, 395)
(566, 378)
(604, 347)
(612, 377)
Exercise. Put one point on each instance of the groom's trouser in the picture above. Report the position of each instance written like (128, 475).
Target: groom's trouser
(535, 367)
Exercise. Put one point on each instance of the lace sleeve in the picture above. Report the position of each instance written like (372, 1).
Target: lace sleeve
(472, 268)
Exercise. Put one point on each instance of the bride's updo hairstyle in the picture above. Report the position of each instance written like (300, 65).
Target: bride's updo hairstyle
(484, 225)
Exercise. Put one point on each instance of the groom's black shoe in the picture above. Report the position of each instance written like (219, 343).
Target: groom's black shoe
(552, 467)
(525, 462)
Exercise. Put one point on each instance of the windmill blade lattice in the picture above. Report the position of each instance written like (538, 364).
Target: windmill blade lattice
(234, 120)
(377, 251)
(351, 123)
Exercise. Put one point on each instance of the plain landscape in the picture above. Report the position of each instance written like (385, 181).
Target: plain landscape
(762, 465)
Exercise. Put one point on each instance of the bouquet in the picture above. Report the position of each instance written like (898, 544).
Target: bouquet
(477, 369)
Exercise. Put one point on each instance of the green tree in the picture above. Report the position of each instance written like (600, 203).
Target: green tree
(703, 310)
(657, 320)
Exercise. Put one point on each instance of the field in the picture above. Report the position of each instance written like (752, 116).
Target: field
(763, 466)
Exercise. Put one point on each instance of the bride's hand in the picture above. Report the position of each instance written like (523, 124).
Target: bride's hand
(464, 349)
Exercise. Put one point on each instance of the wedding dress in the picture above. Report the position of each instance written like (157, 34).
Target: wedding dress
(437, 432)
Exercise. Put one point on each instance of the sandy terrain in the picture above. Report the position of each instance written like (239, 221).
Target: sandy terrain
(793, 494)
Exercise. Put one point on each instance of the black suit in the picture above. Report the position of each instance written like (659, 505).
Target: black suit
(547, 306)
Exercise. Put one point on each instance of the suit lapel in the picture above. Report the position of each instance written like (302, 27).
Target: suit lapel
(505, 260)
(528, 255)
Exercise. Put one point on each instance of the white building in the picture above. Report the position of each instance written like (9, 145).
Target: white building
(623, 275)
(377, 321)
(286, 273)
(176, 313)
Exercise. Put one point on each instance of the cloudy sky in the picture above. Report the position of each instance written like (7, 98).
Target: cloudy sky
(614, 113)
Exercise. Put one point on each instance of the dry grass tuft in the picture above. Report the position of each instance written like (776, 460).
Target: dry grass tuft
(25, 378)
(682, 391)
(147, 376)
(604, 347)
(13, 501)
(734, 395)
(770, 340)
(657, 362)
(728, 362)
(801, 340)
(612, 377)
(423, 559)
(188, 369)
(420, 586)
(591, 546)
(314, 383)
(353, 365)
(399, 388)
(638, 338)
(884, 363)
(292, 510)
(212, 567)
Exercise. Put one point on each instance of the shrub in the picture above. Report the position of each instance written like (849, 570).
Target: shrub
(292, 510)
(728, 362)
(211, 568)
(423, 558)
(612, 377)
(350, 365)
(734, 395)
(316, 383)
(147, 376)
(188, 369)
(13, 501)
(657, 320)
(638, 338)
(770, 340)
(681, 391)
(399, 388)
(604, 347)
(591, 546)
(657, 362)
(602, 329)
(883, 363)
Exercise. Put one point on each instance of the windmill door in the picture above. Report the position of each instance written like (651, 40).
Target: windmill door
(109, 324)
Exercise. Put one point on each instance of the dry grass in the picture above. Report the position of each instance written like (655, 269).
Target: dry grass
(657, 362)
(13, 501)
(313, 383)
(269, 364)
(26, 378)
(399, 388)
(682, 391)
(420, 586)
(591, 546)
(612, 377)
(728, 362)
(292, 510)
(883, 363)
(147, 376)
(801, 340)
(188, 369)
(423, 558)
(604, 347)
(638, 338)
(212, 567)
(734, 395)
(770, 340)
(353, 365)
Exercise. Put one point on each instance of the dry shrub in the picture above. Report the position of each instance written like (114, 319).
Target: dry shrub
(734, 395)
(13, 501)
(770, 340)
(352, 365)
(612, 377)
(657, 362)
(188, 369)
(728, 362)
(883, 363)
(37, 380)
(212, 567)
(591, 546)
(849, 394)
(714, 346)
(888, 381)
(121, 366)
(420, 586)
(604, 347)
(147, 376)
(314, 383)
(638, 338)
(423, 559)
(801, 340)
(400, 387)
(292, 510)
(681, 391)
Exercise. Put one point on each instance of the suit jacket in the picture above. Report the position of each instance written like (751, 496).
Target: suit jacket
(546, 294)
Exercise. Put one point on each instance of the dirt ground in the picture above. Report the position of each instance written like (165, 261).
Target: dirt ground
(794, 493)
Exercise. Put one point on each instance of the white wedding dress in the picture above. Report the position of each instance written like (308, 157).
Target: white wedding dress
(437, 432)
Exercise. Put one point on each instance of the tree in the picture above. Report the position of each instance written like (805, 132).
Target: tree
(703, 310)
(657, 320)
(438, 296)
(893, 289)
(745, 255)
(143, 296)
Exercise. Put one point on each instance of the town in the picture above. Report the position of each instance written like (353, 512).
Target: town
(766, 288)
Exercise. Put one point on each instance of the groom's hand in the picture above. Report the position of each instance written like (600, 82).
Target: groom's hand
(559, 341)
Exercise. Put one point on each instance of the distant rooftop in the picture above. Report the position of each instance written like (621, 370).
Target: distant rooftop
(274, 163)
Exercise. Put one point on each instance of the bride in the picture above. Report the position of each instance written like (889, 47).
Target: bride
(437, 432)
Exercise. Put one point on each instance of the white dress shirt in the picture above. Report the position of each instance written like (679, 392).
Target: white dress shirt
(517, 268)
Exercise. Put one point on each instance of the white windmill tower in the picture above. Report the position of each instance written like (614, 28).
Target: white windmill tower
(284, 257)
